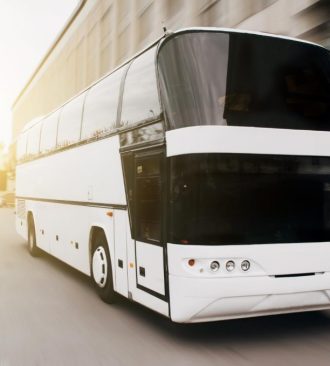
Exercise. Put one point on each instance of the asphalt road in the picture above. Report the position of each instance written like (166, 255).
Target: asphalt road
(50, 315)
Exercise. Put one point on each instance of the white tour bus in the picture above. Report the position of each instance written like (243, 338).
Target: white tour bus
(194, 179)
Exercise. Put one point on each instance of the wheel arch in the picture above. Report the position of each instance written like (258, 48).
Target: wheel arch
(108, 297)
(31, 227)
(94, 230)
(29, 217)
(29, 214)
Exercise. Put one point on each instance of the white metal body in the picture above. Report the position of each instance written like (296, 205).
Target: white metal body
(247, 140)
(65, 193)
(63, 229)
(196, 293)
(71, 192)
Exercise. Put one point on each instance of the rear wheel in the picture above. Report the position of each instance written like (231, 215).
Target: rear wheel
(101, 269)
(32, 242)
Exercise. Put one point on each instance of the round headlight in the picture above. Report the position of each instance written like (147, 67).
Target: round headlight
(230, 266)
(214, 266)
(245, 265)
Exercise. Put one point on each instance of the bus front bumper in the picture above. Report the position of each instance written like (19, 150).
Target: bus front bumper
(210, 299)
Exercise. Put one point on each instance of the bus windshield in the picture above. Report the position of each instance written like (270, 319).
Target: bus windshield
(235, 79)
(227, 199)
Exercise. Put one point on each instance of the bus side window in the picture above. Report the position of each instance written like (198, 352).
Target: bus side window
(33, 140)
(140, 97)
(48, 133)
(101, 105)
(69, 125)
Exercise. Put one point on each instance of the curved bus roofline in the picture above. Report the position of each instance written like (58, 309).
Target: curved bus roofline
(167, 34)
(243, 31)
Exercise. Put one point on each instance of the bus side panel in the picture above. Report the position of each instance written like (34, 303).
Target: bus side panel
(68, 234)
(21, 219)
(88, 173)
(40, 214)
(63, 230)
(68, 192)
(120, 263)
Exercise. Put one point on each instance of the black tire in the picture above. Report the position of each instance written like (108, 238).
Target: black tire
(32, 242)
(101, 269)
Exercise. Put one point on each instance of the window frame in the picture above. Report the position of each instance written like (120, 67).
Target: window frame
(155, 117)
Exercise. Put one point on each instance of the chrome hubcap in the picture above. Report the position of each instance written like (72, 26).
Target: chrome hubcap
(100, 267)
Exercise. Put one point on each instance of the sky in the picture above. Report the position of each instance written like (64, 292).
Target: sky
(27, 30)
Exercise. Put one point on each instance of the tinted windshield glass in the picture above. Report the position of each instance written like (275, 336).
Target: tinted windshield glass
(210, 78)
(248, 199)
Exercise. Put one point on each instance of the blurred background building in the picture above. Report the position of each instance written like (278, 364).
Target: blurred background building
(101, 34)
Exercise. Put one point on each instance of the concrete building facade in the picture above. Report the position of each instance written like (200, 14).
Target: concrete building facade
(101, 34)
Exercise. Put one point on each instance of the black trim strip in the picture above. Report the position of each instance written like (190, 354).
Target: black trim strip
(166, 278)
(296, 275)
(114, 132)
(151, 292)
(75, 203)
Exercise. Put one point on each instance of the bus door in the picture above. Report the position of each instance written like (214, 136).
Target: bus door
(148, 202)
(144, 174)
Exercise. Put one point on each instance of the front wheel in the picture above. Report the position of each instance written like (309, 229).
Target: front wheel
(102, 270)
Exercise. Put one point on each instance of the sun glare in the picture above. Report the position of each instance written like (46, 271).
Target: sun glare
(21, 39)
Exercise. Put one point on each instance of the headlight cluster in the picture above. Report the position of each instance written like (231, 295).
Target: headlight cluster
(216, 265)
(230, 266)
(245, 265)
